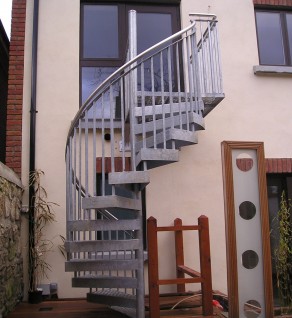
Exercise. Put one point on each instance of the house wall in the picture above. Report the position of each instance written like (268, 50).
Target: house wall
(256, 108)
(11, 265)
(4, 56)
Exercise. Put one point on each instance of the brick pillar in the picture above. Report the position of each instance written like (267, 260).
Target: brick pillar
(15, 87)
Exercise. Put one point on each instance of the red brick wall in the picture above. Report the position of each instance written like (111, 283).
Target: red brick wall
(273, 165)
(274, 2)
(15, 86)
(279, 165)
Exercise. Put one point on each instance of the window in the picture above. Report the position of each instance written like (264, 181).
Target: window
(274, 33)
(104, 38)
(277, 183)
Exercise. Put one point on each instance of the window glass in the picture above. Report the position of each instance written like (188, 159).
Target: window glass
(92, 77)
(289, 32)
(100, 31)
(270, 38)
(152, 28)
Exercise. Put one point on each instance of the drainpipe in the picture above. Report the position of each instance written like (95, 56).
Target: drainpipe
(32, 150)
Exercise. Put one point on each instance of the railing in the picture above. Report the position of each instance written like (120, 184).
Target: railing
(159, 89)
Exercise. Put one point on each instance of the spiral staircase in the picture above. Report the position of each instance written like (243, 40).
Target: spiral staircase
(136, 120)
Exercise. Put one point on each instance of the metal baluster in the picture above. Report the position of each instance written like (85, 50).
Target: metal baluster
(196, 71)
(190, 72)
(211, 59)
(123, 123)
(143, 106)
(102, 147)
(162, 100)
(133, 82)
(178, 82)
(153, 102)
(185, 56)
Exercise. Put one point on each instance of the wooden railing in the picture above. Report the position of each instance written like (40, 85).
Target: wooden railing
(203, 277)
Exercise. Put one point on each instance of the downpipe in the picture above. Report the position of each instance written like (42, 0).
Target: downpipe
(32, 138)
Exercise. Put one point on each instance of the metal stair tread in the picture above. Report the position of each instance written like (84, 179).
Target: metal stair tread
(93, 281)
(76, 265)
(112, 298)
(129, 177)
(180, 137)
(174, 108)
(157, 157)
(174, 121)
(110, 201)
(101, 245)
(100, 225)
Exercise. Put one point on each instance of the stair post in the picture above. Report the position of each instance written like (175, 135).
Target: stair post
(133, 82)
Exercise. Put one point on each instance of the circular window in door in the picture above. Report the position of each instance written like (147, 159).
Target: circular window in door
(247, 210)
(250, 259)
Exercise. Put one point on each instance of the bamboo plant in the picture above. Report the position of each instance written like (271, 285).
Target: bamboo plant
(283, 255)
(43, 214)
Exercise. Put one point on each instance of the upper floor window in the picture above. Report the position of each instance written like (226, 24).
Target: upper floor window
(274, 33)
(104, 38)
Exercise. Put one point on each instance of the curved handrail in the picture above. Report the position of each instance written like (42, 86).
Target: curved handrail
(107, 82)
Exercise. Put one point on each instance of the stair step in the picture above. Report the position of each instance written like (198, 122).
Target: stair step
(91, 281)
(180, 137)
(101, 246)
(104, 225)
(171, 122)
(92, 265)
(175, 108)
(211, 100)
(129, 177)
(111, 201)
(130, 312)
(112, 298)
(157, 157)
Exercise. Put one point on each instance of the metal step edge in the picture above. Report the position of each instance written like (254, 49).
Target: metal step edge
(180, 137)
(104, 282)
(101, 225)
(101, 246)
(100, 265)
(111, 201)
(131, 177)
(130, 312)
(112, 298)
(160, 156)
(175, 108)
(171, 122)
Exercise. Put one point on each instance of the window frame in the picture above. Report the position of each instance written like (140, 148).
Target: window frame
(284, 30)
(171, 6)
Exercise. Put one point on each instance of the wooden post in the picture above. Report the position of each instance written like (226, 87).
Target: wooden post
(153, 275)
(205, 261)
(179, 254)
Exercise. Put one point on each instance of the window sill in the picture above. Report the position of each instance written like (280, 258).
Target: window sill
(272, 70)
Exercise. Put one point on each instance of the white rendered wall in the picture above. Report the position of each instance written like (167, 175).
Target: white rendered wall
(255, 109)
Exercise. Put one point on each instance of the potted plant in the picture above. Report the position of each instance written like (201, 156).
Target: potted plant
(283, 255)
(42, 214)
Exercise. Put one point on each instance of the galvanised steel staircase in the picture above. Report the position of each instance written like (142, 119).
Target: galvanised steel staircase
(137, 119)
